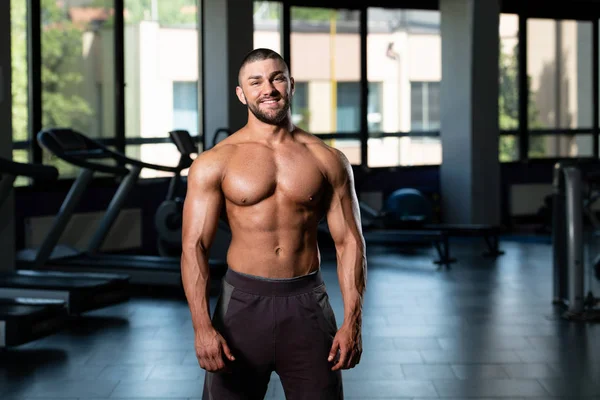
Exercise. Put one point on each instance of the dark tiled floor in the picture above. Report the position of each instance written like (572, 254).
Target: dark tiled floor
(485, 329)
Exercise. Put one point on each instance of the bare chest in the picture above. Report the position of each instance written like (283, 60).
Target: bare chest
(254, 176)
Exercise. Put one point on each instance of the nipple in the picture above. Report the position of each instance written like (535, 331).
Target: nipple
(310, 198)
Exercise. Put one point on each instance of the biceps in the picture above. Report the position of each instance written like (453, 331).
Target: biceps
(201, 213)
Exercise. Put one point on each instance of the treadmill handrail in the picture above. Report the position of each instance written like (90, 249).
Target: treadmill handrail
(34, 171)
(184, 142)
(143, 164)
(48, 139)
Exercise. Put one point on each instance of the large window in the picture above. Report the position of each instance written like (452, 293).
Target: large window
(20, 110)
(80, 71)
(404, 58)
(161, 75)
(330, 76)
(77, 69)
(155, 153)
(508, 89)
(424, 106)
(300, 116)
(559, 67)
(348, 107)
(267, 25)
(185, 106)
(332, 39)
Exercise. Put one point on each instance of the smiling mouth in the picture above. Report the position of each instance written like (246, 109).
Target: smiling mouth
(270, 101)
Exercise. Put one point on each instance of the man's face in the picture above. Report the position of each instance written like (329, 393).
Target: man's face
(266, 89)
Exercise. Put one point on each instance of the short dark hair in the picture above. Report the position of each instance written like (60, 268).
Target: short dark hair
(261, 54)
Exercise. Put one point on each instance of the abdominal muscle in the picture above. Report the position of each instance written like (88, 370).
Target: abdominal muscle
(287, 248)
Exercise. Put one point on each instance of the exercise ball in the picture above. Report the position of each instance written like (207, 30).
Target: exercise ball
(407, 208)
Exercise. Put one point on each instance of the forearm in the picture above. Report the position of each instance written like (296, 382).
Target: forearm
(352, 276)
(195, 275)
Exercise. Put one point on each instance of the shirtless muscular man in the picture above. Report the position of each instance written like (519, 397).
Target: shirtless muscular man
(274, 182)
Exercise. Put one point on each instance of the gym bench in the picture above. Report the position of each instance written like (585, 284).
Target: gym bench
(490, 234)
(439, 239)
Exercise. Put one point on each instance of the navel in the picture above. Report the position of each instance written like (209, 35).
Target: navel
(244, 200)
(278, 251)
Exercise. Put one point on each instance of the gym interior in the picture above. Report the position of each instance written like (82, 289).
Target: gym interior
(472, 127)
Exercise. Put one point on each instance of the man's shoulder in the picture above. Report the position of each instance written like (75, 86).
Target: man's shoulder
(216, 154)
(333, 161)
(306, 137)
(316, 144)
(210, 164)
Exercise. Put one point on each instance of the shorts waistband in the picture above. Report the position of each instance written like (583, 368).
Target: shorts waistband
(269, 287)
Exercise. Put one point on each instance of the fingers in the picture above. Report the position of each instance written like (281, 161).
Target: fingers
(353, 359)
(227, 351)
(205, 361)
(334, 350)
(219, 364)
(349, 358)
(206, 364)
(341, 364)
(212, 364)
(212, 360)
(356, 358)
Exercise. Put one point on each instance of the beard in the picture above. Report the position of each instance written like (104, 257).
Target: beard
(275, 118)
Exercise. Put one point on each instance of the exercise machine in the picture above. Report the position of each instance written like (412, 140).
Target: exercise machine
(407, 217)
(591, 195)
(92, 157)
(374, 234)
(168, 217)
(23, 320)
(80, 292)
(568, 244)
(220, 134)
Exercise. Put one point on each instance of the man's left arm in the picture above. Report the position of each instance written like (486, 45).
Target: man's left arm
(343, 218)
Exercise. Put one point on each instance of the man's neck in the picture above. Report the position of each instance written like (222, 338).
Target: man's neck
(269, 132)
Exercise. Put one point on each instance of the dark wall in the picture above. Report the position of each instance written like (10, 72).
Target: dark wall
(427, 180)
(39, 201)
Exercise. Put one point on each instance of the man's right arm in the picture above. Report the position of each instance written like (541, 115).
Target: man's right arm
(201, 211)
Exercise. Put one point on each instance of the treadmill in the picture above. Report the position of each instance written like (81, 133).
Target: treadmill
(23, 320)
(93, 157)
(81, 292)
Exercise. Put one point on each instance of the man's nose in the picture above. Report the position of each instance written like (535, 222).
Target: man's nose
(269, 88)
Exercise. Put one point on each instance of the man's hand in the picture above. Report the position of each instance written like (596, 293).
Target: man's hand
(210, 348)
(348, 342)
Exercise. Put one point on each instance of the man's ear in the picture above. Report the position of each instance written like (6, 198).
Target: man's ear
(240, 95)
(292, 85)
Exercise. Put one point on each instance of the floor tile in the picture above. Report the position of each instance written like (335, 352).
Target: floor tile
(489, 388)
